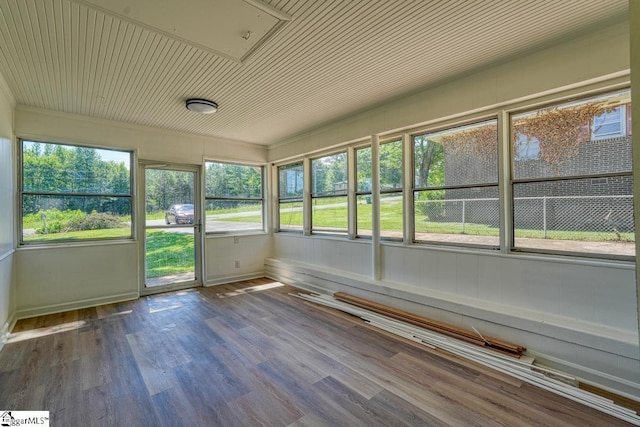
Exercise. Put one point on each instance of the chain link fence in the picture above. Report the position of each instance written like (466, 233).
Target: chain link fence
(557, 217)
(566, 215)
(461, 214)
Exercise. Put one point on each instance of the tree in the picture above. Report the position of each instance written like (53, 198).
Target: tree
(391, 165)
(336, 173)
(429, 166)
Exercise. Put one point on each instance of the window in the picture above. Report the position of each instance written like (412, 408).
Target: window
(329, 194)
(579, 198)
(363, 191)
(71, 193)
(456, 185)
(527, 148)
(233, 198)
(290, 192)
(391, 205)
(610, 124)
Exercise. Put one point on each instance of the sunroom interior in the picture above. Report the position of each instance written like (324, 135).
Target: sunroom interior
(476, 173)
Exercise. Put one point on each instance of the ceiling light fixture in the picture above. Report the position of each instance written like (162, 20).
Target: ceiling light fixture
(202, 106)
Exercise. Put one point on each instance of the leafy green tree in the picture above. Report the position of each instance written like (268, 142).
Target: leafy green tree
(55, 168)
(391, 165)
(429, 162)
(336, 173)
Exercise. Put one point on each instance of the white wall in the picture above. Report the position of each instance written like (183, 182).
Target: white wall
(55, 279)
(87, 274)
(7, 208)
(222, 252)
(151, 144)
(575, 314)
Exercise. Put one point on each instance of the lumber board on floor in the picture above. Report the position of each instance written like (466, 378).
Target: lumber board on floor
(472, 337)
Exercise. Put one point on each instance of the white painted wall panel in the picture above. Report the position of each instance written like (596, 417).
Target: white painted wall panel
(467, 275)
(152, 144)
(222, 252)
(7, 189)
(7, 208)
(577, 290)
(57, 279)
(342, 254)
(7, 305)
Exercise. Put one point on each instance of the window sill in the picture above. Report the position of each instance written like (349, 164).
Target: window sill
(216, 235)
(64, 245)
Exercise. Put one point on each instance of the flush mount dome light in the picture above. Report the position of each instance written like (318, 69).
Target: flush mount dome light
(202, 106)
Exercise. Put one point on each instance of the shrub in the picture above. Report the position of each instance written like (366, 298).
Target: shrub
(54, 220)
(93, 221)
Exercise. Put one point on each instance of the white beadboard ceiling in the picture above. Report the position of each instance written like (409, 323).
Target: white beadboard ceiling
(332, 58)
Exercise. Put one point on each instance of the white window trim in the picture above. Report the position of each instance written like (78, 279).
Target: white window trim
(610, 135)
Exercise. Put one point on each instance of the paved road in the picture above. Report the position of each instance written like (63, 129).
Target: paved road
(212, 225)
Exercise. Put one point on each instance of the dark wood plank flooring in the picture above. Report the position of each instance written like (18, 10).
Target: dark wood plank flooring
(239, 355)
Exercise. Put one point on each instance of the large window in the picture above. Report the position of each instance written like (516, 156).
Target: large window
(577, 196)
(391, 208)
(290, 193)
(329, 194)
(612, 123)
(456, 185)
(71, 193)
(233, 198)
(566, 187)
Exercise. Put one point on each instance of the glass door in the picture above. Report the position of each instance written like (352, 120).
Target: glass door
(171, 227)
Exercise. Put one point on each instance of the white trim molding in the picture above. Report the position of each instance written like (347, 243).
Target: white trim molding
(231, 279)
(6, 329)
(25, 313)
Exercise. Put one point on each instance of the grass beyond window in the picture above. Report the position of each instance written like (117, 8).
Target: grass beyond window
(84, 235)
(169, 253)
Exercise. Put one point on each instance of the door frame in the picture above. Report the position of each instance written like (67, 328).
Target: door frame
(198, 232)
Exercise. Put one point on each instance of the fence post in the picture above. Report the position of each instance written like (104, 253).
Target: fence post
(464, 204)
(544, 215)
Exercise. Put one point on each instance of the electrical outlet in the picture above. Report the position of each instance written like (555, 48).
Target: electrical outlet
(236, 239)
(237, 264)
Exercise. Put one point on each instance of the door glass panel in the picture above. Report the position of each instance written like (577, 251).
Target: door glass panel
(170, 227)
(170, 256)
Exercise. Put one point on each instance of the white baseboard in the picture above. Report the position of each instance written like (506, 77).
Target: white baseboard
(584, 374)
(238, 278)
(569, 335)
(74, 305)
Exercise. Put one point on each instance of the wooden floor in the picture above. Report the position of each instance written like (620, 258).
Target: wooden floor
(249, 354)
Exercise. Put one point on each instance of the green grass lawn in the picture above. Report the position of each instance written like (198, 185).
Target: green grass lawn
(172, 253)
(81, 235)
(169, 253)
(391, 220)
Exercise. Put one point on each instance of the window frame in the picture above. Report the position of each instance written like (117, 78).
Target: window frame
(394, 139)
(75, 241)
(528, 152)
(260, 199)
(588, 177)
(415, 189)
(359, 193)
(290, 199)
(622, 111)
(504, 220)
(327, 195)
